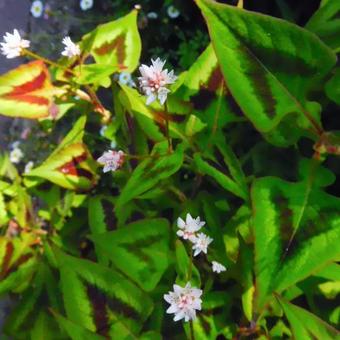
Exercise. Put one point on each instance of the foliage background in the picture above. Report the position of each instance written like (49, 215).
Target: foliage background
(96, 262)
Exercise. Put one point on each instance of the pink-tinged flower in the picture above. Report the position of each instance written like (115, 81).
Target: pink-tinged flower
(13, 45)
(184, 302)
(71, 49)
(218, 267)
(112, 160)
(189, 227)
(201, 244)
(154, 81)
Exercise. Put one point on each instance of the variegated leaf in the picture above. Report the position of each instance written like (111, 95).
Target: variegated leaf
(26, 91)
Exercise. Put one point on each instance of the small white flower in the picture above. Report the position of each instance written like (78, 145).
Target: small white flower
(71, 49)
(113, 144)
(102, 130)
(187, 230)
(28, 167)
(152, 15)
(112, 160)
(201, 244)
(86, 4)
(15, 144)
(37, 8)
(154, 80)
(218, 267)
(173, 12)
(16, 155)
(184, 302)
(13, 45)
(126, 79)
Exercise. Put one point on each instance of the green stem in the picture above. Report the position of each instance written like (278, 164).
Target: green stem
(167, 129)
(190, 266)
(46, 60)
(192, 334)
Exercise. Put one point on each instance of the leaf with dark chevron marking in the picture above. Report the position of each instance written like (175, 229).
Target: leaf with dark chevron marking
(116, 43)
(87, 286)
(140, 250)
(71, 165)
(26, 91)
(297, 232)
(267, 69)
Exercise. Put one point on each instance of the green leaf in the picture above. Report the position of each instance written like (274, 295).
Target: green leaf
(267, 69)
(247, 264)
(239, 223)
(151, 119)
(220, 177)
(101, 219)
(233, 164)
(26, 304)
(333, 86)
(159, 166)
(116, 43)
(45, 328)
(71, 165)
(297, 232)
(305, 325)
(26, 91)
(204, 87)
(140, 250)
(325, 22)
(200, 75)
(95, 74)
(76, 301)
(84, 281)
(22, 274)
(74, 331)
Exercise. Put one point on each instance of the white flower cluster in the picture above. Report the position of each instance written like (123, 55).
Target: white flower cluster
(188, 231)
(184, 302)
(71, 49)
(112, 160)
(154, 81)
(13, 45)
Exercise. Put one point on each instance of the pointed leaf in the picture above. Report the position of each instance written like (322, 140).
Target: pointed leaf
(116, 43)
(306, 325)
(151, 120)
(71, 165)
(124, 305)
(267, 69)
(325, 22)
(220, 177)
(140, 250)
(151, 171)
(74, 331)
(296, 234)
